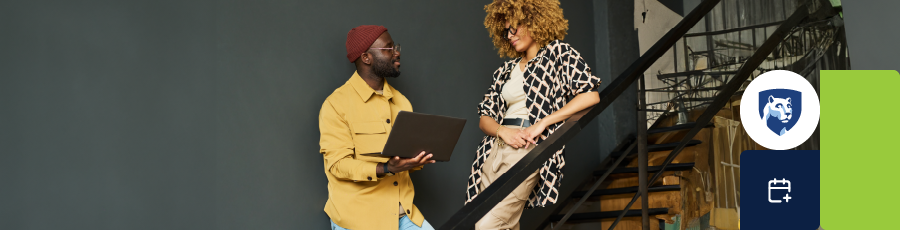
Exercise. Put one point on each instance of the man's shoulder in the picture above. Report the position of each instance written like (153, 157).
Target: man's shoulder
(339, 94)
(342, 91)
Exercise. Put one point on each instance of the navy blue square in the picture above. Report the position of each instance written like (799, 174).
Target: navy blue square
(780, 189)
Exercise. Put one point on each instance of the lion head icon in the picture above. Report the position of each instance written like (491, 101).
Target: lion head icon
(779, 109)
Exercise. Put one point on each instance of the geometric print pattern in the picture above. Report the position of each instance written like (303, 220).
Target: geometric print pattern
(552, 78)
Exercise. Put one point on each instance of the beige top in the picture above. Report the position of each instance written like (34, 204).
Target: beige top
(514, 94)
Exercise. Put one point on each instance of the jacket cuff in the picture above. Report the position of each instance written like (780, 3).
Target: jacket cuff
(367, 172)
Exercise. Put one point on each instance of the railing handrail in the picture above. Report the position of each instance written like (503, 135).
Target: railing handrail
(471, 213)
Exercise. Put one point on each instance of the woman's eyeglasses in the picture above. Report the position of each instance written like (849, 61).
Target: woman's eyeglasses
(509, 31)
(394, 50)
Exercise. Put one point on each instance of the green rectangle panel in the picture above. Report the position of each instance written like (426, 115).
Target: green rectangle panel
(860, 147)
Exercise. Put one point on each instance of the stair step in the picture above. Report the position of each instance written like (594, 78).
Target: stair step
(695, 72)
(609, 214)
(627, 190)
(652, 169)
(658, 147)
(676, 128)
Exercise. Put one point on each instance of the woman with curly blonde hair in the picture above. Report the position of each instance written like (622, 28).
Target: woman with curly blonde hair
(531, 96)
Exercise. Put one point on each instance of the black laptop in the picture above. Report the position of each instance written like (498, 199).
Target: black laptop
(413, 133)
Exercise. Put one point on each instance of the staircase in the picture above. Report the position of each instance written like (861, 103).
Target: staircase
(622, 183)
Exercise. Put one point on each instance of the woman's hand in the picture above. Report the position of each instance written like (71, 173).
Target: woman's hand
(512, 138)
(532, 133)
(580, 102)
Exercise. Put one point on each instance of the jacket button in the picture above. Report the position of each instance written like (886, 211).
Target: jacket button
(407, 212)
(388, 121)
(395, 183)
(370, 178)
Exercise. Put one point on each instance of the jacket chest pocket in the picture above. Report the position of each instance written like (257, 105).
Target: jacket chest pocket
(368, 137)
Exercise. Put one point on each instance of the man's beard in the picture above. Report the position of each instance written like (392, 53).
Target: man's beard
(385, 69)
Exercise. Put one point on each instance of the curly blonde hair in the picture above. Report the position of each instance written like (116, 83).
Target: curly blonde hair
(542, 18)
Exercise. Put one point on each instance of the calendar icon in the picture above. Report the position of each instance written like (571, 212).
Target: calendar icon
(784, 184)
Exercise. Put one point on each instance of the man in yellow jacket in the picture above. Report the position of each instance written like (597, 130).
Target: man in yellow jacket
(368, 191)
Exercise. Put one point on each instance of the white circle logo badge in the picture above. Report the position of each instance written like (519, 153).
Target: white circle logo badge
(780, 110)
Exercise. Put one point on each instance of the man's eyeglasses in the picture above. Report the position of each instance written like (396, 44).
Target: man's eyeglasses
(509, 31)
(394, 50)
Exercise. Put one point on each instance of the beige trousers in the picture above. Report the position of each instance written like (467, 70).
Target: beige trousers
(507, 213)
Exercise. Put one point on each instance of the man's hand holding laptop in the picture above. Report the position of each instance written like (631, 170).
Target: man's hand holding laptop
(399, 164)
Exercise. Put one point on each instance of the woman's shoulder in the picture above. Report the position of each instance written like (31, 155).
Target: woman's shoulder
(558, 47)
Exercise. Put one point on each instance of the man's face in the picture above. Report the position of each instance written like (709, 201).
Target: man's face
(385, 62)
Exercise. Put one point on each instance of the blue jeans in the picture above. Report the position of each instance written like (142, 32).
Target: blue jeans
(405, 224)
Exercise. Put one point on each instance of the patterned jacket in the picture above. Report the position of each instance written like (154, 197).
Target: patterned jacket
(552, 78)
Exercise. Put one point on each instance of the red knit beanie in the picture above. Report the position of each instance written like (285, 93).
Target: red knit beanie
(359, 40)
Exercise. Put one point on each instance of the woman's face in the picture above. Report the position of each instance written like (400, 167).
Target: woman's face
(520, 40)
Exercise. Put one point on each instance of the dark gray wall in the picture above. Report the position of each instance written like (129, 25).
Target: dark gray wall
(872, 34)
(623, 50)
(203, 115)
(107, 115)
(606, 121)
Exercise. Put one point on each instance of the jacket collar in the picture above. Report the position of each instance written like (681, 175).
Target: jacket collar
(365, 92)
(541, 54)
